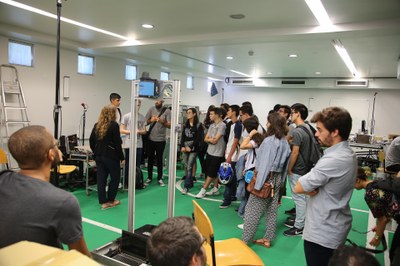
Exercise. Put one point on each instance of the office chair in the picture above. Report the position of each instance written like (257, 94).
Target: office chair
(3, 159)
(231, 251)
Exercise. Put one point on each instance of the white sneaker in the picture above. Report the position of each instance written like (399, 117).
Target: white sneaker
(213, 192)
(161, 183)
(240, 226)
(201, 194)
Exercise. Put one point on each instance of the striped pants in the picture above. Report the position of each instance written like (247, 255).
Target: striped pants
(255, 207)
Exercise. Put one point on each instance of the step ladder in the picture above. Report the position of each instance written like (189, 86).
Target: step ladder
(14, 112)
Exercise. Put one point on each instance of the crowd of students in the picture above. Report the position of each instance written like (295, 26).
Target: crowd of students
(286, 150)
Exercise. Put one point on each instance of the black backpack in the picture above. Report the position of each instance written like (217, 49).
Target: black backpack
(315, 148)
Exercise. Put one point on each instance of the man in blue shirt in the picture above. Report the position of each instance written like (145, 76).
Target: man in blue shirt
(330, 186)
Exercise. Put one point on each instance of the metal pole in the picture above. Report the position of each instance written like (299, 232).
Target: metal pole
(175, 128)
(132, 157)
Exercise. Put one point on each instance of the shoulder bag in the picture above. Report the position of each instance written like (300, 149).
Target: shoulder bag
(266, 191)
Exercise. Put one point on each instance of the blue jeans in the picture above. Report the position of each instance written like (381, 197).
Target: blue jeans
(299, 201)
(107, 166)
(189, 158)
(230, 188)
(239, 174)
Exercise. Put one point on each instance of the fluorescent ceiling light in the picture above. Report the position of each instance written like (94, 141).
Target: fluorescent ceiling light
(147, 26)
(293, 55)
(229, 57)
(240, 73)
(319, 12)
(345, 57)
(70, 21)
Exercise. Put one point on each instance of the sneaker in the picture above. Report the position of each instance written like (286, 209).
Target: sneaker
(161, 183)
(240, 226)
(289, 224)
(185, 191)
(201, 194)
(293, 232)
(224, 205)
(291, 211)
(213, 192)
(291, 219)
(148, 181)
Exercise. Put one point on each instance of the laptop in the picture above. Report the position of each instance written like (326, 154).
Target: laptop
(131, 249)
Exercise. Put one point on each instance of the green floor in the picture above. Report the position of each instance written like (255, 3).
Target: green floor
(151, 208)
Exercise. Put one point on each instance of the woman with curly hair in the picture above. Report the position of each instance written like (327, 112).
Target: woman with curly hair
(105, 142)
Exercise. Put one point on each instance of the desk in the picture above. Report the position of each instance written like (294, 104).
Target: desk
(368, 154)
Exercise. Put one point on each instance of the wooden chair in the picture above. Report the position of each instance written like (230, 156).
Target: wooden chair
(3, 159)
(231, 251)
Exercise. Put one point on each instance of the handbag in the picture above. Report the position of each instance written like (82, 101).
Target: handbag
(266, 191)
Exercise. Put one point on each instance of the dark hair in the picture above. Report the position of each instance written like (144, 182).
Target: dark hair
(174, 242)
(287, 110)
(114, 96)
(276, 107)
(361, 173)
(302, 109)
(29, 146)
(335, 118)
(246, 109)
(235, 108)
(277, 126)
(207, 121)
(352, 256)
(250, 124)
(225, 106)
(247, 103)
(195, 118)
(218, 111)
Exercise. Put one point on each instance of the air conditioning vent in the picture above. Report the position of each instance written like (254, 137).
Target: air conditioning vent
(240, 82)
(352, 83)
(293, 82)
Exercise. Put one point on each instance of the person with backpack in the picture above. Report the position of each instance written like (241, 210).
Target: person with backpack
(300, 164)
(190, 140)
(125, 129)
(384, 206)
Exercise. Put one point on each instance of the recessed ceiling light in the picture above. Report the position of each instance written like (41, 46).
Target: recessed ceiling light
(317, 73)
(293, 55)
(237, 16)
(269, 73)
(229, 57)
(147, 26)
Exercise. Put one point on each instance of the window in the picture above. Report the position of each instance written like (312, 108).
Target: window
(85, 64)
(130, 72)
(189, 83)
(20, 53)
(164, 76)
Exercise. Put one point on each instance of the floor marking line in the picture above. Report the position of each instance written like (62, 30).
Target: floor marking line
(104, 226)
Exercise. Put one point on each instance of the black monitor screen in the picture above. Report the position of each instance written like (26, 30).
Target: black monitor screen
(147, 88)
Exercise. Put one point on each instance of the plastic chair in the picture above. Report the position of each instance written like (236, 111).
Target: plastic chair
(231, 251)
(66, 170)
(3, 158)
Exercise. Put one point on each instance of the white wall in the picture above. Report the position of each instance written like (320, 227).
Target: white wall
(357, 101)
(39, 88)
(38, 84)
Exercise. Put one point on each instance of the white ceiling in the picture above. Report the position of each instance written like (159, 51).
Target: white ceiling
(192, 36)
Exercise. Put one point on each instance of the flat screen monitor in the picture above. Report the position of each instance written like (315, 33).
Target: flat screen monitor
(147, 88)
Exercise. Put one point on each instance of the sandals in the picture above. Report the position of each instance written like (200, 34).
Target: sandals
(262, 242)
(108, 205)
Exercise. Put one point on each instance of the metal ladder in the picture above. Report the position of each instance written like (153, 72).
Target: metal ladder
(14, 112)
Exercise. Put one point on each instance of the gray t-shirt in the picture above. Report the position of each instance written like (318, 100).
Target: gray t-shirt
(126, 120)
(35, 210)
(217, 149)
(328, 214)
(392, 156)
(303, 140)
(159, 130)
